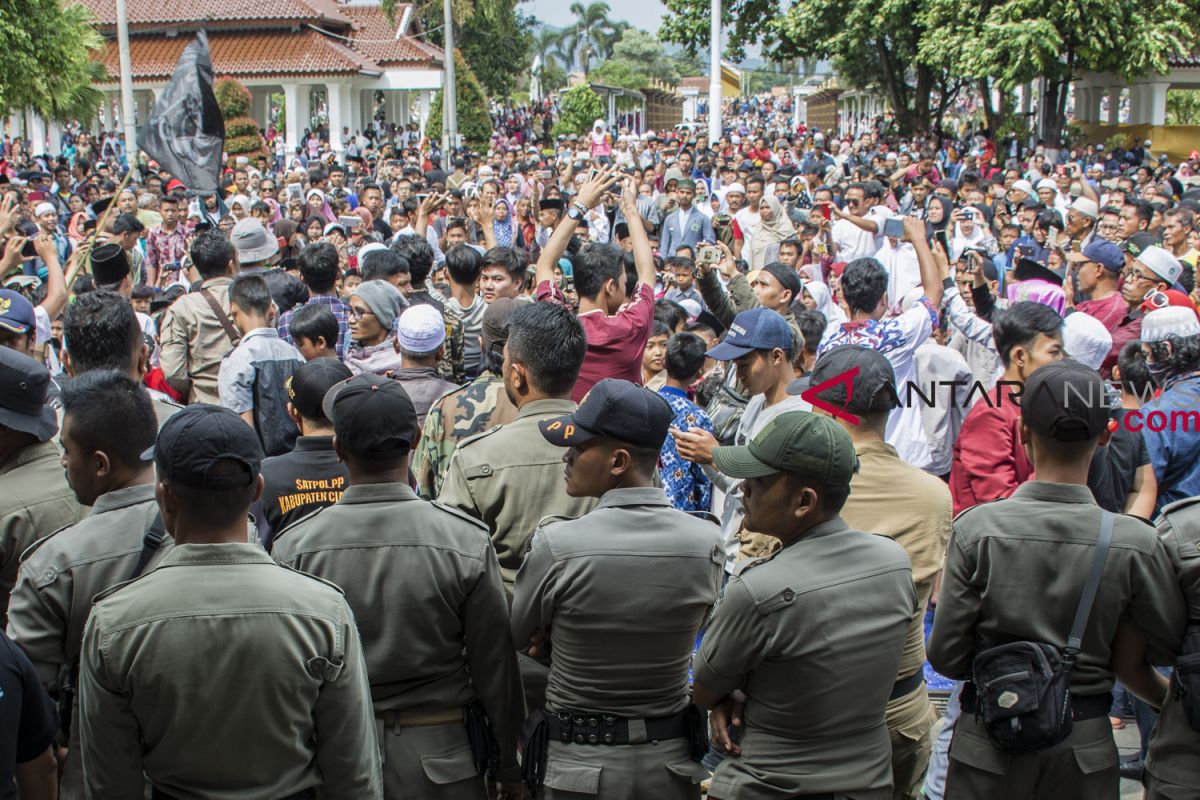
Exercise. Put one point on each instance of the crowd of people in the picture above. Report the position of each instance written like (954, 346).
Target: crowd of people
(616, 465)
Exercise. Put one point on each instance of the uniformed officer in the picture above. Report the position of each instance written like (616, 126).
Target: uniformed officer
(220, 673)
(425, 587)
(479, 406)
(1015, 571)
(108, 424)
(35, 499)
(621, 593)
(510, 477)
(1173, 758)
(810, 638)
(904, 503)
(101, 331)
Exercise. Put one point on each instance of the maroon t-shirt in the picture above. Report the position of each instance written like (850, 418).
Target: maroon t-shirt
(614, 344)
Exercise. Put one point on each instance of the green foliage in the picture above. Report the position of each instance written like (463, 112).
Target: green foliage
(556, 56)
(242, 135)
(580, 107)
(618, 73)
(474, 124)
(1183, 107)
(493, 41)
(593, 35)
(46, 64)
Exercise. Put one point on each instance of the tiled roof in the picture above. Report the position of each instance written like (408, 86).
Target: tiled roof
(375, 38)
(163, 13)
(1186, 60)
(696, 82)
(264, 53)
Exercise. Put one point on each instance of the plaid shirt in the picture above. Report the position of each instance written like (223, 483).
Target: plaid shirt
(339, 309)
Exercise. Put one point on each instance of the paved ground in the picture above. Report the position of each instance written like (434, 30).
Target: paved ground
(1127, 743)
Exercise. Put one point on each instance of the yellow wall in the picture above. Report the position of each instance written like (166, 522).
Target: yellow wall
(1174, 140)
(731, 83)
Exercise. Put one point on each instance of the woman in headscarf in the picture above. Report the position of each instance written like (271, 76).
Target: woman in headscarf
(503, 225)
(239, 207)
(774, 227)
(937, 216)
(970, 231)
(286, 229)
(318, 205)
(822, 300)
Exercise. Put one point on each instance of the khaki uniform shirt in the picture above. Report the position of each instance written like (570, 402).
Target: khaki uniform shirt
(477, 407)
(912, 507)
(813, 635)
(35, 501)
(192, 342)
(510, 478)
(622, 592)
(1174, 752)
(1015, 571)
(425, 588)
(223, 675)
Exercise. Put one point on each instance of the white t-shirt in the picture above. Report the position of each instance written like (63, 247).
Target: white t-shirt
(41, 335)
(898, 339)
(854, 242)
(904, 272)
(748, 221)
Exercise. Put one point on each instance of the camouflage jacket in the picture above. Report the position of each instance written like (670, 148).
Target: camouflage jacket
(451, 367)
(466, 411)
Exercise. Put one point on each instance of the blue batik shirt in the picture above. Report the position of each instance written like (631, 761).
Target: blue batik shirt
(685, 483)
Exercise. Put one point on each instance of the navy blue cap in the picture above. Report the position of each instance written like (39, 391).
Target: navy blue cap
(1102, 252)
(755, 329)
(616, 409)
(16, 313)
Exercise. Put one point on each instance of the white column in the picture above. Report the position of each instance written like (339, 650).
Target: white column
(1114, 105)
(1157, 99)
(292, 95)
(405, 107)
(1137, 103)
(55, 133)
(37, 134)
(258, 105)
(1026, 98)
(107, 110)
(333, 95)
(426, 101)
(352, 109)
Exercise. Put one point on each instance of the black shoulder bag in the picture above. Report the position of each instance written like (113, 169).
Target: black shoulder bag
(1023, 689)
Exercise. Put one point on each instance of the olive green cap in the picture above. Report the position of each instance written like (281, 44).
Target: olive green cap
(798, 442)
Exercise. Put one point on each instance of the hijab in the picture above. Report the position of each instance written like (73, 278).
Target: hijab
(947, 209)
(770, 232)
(834, 315)
(504, 229)
(326, 211)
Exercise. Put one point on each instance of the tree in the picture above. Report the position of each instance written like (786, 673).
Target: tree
(579, 108)
(473, 121)
(493, 41)
(618, 73)
(242, 136)
(637, 57)
(1183, 107)
(592, 33)
(548, 47)
(46, 60)
(1015, 42)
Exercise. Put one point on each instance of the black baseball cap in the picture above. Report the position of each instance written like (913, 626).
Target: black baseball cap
(201, 436)
(311, 381)
(1066, 402)
(1028, 268)
(1135, 244)
(616, 409)
(372, 416)
(23, 385)
(869, 390)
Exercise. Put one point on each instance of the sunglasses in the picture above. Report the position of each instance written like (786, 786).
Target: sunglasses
(1155, 299)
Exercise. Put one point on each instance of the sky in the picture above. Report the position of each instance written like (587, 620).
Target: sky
(644, 14)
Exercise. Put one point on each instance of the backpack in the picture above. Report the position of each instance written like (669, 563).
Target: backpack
(1023, 688)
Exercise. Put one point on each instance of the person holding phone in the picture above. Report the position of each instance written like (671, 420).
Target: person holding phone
(858, 231)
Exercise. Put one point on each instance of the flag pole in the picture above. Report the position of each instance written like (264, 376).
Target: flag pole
(127, 112)
(450, 93)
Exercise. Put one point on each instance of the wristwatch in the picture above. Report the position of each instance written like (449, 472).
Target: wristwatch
(576, 212)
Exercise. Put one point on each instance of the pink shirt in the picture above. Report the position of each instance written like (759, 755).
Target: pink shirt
(614, 344)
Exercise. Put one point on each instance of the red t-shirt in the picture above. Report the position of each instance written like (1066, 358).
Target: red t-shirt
(989, 459)
(615, 344)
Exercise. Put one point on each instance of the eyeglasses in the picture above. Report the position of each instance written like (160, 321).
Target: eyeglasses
(358, 313)
(1137, 275)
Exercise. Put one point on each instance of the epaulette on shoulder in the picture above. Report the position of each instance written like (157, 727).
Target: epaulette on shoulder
(291, 525)
(553, 518)
(316, 578)
(28, 551)
(475, 437)
(966, 511)
(461, 515)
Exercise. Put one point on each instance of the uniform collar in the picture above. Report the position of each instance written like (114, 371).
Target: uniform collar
(123, 498)
(313, 444)
(875, 448)
(835, 525)
(548, 405)
(1054, 492)
(27, 455)
(224, 553)
(376, 493)
(640, 496)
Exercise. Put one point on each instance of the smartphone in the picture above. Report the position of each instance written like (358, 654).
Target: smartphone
(708, 254)
(826, 211)
(893, 227)
(1052, 238)
(30, 229)
(547, 174)
(294, 191)
(940, 238)
(349, 223)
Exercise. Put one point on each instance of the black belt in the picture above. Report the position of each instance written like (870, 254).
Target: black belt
(906, 686)
(303, 794)
(595, 727)
(1083, 706)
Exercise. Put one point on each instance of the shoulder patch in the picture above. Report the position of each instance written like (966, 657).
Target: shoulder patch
(28, 551)
(316, 578)
(461, 515)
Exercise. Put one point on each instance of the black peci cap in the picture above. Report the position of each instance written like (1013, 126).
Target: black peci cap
(871, 389)
(1065, 401)
(616, 409)
(198, 438)
(311, 381)
(109, 263)
(372, 416)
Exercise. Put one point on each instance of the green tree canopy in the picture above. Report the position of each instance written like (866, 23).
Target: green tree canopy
(46, 63)
(473, 121)
(580, 107)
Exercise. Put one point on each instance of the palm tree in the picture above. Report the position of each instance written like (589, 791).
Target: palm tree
(586, 35)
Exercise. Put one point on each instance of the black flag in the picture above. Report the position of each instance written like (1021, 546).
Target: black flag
(185, 134)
